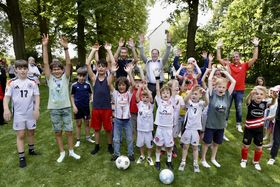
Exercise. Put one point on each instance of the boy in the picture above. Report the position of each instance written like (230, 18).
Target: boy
(26, 100)
(59, 102)
(102, 109)
(81, 95)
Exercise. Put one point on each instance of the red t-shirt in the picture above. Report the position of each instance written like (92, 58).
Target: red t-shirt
(238, 72)
(133, 104)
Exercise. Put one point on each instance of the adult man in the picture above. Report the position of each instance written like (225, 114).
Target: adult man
(238, 71)
(155, 63)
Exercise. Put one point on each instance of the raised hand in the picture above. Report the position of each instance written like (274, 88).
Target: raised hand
(121, 42)
(63, 41)
(114, 67)
(45, 39)
(204, 54)
(220, 43)
(128, 68)
(131, 43)
(107, 46)
(96, 46)
(210, 57)
(141, 38)
(256, 41)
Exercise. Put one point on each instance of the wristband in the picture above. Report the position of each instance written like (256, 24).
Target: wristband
(256, 46)
(65, 48)
(158, 78)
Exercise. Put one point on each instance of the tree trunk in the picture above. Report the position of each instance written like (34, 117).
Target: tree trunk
(81, 34)
(15, 18)
(99, 30)
(192, 27)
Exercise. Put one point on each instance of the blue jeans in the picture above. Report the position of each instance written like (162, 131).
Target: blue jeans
(119, 125)
(237, 96)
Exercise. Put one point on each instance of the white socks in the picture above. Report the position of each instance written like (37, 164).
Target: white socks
(61, 157)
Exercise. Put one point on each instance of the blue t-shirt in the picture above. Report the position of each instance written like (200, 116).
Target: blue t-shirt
(81, 92)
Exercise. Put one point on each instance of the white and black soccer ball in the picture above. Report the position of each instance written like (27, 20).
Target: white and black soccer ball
(122, 162)
(166, 176)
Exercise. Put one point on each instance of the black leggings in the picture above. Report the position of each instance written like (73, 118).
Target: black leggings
(276, 139)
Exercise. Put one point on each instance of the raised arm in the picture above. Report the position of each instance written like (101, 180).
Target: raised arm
(157, 76)
(203, 84)
(112, 75)
(131, 44)
(168, 49)
(176, 59)
(210, 80)
(96, 55)
(108, 48)
(219, 56)
(45, 42)
(128, 69)
(138, 93)
(88, 62)
(205, 62)
(255, 41)
(198, 70)
(232, 81)
(121, 43)
(141, 48)
(64, 42)
(250, 96)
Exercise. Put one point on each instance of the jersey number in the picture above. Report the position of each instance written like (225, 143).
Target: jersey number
(195, 109)
(23, 93)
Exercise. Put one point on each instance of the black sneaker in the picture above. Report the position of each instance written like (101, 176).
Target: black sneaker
(169, 165)
(131, 158)
(32, 152)
(114, 157)
(22, 162)
(110, 149)
(157, 165)
(95, 150)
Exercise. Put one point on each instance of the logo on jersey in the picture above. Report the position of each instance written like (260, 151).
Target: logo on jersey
(16, 87)
(262, 106)
(257, 113)
(220, 108)
(85, 86)
(29, 86)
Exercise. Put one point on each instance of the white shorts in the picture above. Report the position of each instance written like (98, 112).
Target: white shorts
(30, 125)
(178, 126)
(144, 138)
(190, 137)
(163, 137)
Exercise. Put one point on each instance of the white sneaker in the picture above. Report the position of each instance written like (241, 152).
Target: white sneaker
(216, 163)
(90, 140)
(78, 143)
(205, 164)
(74, 155)
(140, 159)
(225, 138)
(61, 157)
(196, 168)
(182, 166)
(267, 145)
(239, 128)
(243, 163)
(271, 161)
(93, 135)
(150, 161)
(257, 166)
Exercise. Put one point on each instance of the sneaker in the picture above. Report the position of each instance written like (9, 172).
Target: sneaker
(74, 155)
(22, 162)
(114, 157)
(182, 166)
(93, 135)
(95, 150)
(239, 128)
(131, 158)
(196, 168)
(267, 145)
(33, 152)
(157, 165)
(78, 143)
(169, 165)
(150, 161)
(140, 159)
(216, 163)
(205, 164)
(61, 157)
(257, 166)
(243, 163)
(90, 140)
(269, 149)
(271, 161)
(110, 149)
(225, 138)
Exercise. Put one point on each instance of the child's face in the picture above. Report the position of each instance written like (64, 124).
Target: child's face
(259, 95)
(260, 82)
(22, 72)
(218, 74)
(221, 89)
(122, 87)
(81, 78)
(145, 99)
(101, 69)
(196, 95)
(57, 72)
(190, 68)
(165, 95)
(137, 83)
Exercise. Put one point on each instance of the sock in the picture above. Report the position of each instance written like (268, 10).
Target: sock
(169, 156)
(21, 155)
(31, 148)
(95, 150)
(110, 148)
(183, 160)
(257, 155)
(238, 123)
(244, 153)
(61, 157)
(78, 139)
(195, 162)
(157, 157)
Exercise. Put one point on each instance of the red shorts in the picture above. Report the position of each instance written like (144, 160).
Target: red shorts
(99, 117)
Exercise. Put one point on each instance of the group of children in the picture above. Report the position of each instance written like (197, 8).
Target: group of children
(203, 118)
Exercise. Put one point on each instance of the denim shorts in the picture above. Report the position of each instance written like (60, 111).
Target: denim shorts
(61, 119)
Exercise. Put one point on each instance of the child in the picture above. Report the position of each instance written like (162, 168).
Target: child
(122, 97)
(59, 100)
(25, 98)
(165, 99)
(260, 81)
(254, 124)
(217, 110)
(145, 122)
(191, 136)
(102, 108)
(81, 95)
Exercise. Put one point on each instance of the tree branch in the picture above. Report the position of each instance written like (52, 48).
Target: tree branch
(4, 7)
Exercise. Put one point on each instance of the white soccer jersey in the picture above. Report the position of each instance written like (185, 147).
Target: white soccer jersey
(145, 119)
(194, 115)
(179, 103)
(165, 112)
(22, 93)
(122, 103)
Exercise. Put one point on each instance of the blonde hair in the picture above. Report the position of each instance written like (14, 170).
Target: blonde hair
(166, 88)
(261, 88)
(221, 80)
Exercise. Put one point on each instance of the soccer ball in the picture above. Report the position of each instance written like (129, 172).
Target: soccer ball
(166, 176)
(122, 162)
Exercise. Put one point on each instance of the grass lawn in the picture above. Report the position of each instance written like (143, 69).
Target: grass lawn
(98, 170)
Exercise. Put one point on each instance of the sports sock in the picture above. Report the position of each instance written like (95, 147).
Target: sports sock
(96, 149)
(257, 155)
(21, 154)
(31, 148)
(61, 157)
(244, 153)
(157, 157)
(169, 156)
